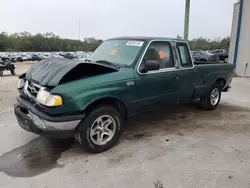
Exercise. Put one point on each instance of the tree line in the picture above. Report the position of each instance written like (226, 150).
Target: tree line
(48, 42)
(207, 44)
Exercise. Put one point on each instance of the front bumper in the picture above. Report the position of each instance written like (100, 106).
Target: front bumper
(40, 123)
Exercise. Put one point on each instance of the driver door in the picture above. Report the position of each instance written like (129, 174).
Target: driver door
(157, 88)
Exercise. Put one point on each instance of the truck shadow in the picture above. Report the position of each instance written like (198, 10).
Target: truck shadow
(181, 118)
(42, 154)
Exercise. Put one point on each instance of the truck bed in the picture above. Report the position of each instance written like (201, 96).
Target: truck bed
(208, 63)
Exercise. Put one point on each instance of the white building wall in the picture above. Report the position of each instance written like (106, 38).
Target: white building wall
(233, 32)
(243, 60)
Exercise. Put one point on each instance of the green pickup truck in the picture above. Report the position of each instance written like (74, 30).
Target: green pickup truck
(91, 99)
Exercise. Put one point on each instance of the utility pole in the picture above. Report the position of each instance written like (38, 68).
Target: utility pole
(79, 35)
(79, 31)
(186, 24)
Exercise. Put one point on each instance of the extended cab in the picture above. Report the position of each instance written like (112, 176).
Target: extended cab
(90, 100)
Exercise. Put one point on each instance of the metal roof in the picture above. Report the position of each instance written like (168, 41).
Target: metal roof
(145, 38)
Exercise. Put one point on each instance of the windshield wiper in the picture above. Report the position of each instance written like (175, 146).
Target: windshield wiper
(108, 63)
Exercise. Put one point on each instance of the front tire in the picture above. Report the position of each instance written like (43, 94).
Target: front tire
(212, 100)
(100, 130)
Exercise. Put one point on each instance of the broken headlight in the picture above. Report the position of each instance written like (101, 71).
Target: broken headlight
(47, 99)
(20, 83)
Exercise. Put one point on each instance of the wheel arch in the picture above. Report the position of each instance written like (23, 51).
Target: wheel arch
(221, 81)
(115, 102)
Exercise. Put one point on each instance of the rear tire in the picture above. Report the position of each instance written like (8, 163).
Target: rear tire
(212, 100)
(1, 73)
(100, 130)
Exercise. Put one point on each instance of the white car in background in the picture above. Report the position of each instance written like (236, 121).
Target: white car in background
(24, 57)
(55, 55)
(82, 55)
(46, 55)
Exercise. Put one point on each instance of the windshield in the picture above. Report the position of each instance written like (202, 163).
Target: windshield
(120, 52)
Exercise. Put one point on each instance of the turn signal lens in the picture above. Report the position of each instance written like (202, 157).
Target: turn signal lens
(54, 100)
(47, 99)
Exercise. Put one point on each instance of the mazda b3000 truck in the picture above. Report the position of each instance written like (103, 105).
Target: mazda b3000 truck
(90, 100)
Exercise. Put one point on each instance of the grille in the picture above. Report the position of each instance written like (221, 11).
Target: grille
(31, 89)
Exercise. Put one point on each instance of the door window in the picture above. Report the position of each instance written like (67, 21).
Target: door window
(160, 51)
(184, 55)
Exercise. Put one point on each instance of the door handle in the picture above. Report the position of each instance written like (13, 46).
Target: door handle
(176, 77)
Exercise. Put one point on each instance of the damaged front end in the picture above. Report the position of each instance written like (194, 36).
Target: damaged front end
(41, 78)
(36, 110)
(52, 72)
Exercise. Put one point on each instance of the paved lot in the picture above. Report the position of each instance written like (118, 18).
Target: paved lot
(177, 147)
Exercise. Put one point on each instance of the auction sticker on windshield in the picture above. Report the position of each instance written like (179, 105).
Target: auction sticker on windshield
(134, 43)
(112, 52)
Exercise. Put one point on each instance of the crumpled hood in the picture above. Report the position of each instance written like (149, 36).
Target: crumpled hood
(49, 72)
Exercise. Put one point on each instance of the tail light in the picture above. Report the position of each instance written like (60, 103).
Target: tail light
(234, 72)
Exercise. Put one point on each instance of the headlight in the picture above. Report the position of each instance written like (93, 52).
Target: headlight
(54, 100)
(20, 83)
(47, 99)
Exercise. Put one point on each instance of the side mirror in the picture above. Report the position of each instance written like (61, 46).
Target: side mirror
(149, 65)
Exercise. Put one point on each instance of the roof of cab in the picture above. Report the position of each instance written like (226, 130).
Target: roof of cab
(145, 38)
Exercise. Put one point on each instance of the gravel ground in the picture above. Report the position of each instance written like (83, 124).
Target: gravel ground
(8, 84)
(176, 147)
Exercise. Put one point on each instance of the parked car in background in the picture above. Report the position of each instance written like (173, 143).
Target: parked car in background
(8, 56)
(222, 54)
(68, 56)
(35, 57)
(82, 55)
(89, 53)
(209, 51)
(19, 58)
(24, 57)
(55, 55)
(13, 57)
(204, 56)
(29, 56)
(46, 55)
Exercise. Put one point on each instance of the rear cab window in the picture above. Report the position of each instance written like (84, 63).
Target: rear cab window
(184, 55)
